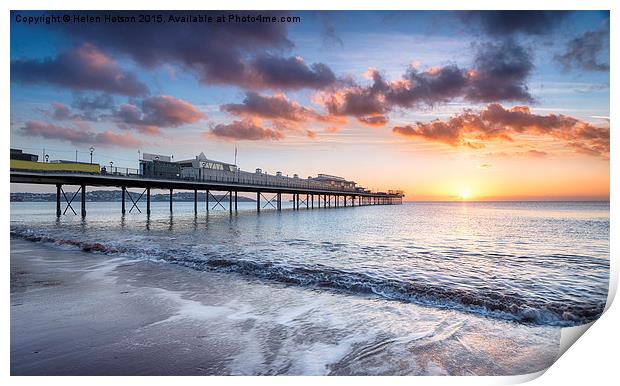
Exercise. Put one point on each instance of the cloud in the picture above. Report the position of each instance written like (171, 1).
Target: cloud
(167, 111)
(536, 154)
(93, 102)
(129, 116)
(81, 68)
(78, 136)
(61, 112)
(374, 120)
(435, 85)
(506, 23)
(276, 107)
(358, 101)
(529, 154)
(364, 103)
(283, 114)
(496, 123)
(499, 73)
(247, 129)
(246, 54)
(330, 36)
(437, 131)
(156, 112)
(268, 71)
(585, 52)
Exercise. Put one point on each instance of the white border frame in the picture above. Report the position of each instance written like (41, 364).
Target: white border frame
(594, 358)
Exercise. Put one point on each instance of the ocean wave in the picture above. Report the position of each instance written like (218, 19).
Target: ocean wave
(481, 301)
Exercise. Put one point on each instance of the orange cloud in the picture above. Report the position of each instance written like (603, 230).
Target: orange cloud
(374, 120)
(498, 123)
(498, 73)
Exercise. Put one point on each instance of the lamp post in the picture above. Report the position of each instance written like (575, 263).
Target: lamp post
(111, 164)
(92, 149)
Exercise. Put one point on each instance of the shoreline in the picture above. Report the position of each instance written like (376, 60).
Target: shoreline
(77, 313)
(307, 278)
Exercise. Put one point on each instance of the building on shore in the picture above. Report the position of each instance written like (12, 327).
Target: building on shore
(27, 161)
(18, 154)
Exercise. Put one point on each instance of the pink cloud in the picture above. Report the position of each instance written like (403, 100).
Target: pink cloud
(78, 136)
(81, 68)
(157, 112)
(247, 129)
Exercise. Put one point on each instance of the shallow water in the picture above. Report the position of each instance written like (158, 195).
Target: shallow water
(120, 316)
(535, 263)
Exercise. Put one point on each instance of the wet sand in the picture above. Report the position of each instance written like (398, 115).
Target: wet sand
(77, 313)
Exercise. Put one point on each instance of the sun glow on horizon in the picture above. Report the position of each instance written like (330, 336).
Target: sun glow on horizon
(464, 193)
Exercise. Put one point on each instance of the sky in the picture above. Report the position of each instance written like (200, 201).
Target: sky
(486, 105)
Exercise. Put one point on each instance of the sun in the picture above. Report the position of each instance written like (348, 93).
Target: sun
(464, 193)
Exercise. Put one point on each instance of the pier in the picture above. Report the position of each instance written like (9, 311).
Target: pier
(267, 196)
(198, 174)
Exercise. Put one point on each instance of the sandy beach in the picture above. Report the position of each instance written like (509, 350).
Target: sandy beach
(77, 313)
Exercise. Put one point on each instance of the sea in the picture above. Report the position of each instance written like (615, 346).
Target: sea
(417, 288)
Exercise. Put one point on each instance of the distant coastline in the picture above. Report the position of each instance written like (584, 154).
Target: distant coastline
(115, 195)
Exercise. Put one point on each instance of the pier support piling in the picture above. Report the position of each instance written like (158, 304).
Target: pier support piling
(258, 201)
(58, 189)
(280, 201)
(195, 202)
(207, 199)
(170, 198)
(123, 189)
(83, 188)
(230, 201)
(148, 201)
